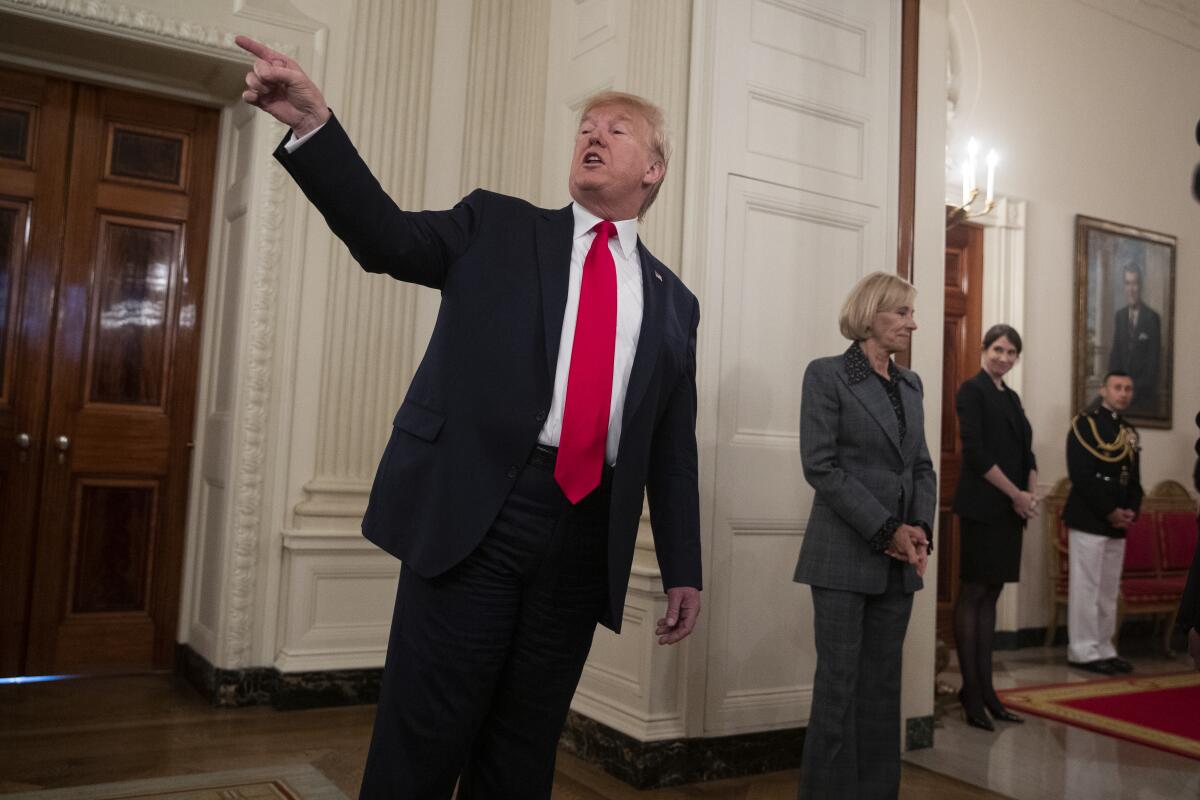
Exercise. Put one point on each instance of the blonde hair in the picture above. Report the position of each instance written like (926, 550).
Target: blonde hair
(879, 291)
(660, 144)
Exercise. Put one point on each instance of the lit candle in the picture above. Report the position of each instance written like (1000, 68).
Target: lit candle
(992, 158)
(966, 182)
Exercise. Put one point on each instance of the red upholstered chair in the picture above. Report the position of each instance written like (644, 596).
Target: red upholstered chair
(1158, 553)
(1178, 536)
(1056, 554)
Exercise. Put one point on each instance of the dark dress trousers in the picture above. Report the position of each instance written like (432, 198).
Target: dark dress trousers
(865, 473)
(502, 580)
(994, 432)
(1136, 350)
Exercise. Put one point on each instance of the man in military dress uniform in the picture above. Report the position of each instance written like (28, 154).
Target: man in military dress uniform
(1106, 495)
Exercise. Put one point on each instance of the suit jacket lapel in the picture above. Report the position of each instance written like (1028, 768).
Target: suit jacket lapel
(649, 339)
(914, 417)
(554, 229)
(874, 397)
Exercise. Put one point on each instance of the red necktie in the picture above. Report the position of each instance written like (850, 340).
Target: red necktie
(581, 444)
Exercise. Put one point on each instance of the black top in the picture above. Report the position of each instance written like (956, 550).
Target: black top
(1103, 462)
(994, 433)
(859, 368)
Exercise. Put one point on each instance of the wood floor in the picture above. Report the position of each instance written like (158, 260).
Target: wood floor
(97, 730)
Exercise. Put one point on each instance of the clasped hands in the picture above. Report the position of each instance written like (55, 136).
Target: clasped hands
(910, 544)
(1025, 504)
(1121, 517)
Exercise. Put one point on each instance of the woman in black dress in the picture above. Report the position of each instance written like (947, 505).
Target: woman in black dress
(996, 496)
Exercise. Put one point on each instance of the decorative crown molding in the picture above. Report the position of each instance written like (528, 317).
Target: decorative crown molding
(127, 19)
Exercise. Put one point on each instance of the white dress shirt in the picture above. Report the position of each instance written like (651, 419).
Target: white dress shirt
(624, 251)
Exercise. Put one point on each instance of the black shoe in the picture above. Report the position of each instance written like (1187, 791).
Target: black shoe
(1004, 715)
(1120, 665)
(975, 720)
(1100, 666)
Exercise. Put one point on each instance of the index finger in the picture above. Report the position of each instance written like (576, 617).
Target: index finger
(259, 49)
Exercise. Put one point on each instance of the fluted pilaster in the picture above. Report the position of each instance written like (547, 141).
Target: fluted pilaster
(506, 97)
(367, 359)
(659, 58)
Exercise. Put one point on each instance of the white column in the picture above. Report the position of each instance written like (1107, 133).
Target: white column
(368, 354)
(506, 97)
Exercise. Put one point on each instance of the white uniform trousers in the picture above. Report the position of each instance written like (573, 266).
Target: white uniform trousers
(1095, 579)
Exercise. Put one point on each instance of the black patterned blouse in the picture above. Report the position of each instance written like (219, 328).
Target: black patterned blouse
(858, 368)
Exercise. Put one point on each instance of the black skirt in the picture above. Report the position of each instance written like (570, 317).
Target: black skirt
(990, 551)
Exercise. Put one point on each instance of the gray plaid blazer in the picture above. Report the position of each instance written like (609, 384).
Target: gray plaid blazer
(852, 456)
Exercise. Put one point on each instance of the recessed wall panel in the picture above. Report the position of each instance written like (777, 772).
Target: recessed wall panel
(811, 34)
(805, 134)
(796, 265)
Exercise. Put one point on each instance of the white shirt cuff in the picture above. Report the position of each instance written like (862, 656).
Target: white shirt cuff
(292, 144)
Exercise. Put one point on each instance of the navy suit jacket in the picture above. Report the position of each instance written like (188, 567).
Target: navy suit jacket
(480, 396)
(1136, 352)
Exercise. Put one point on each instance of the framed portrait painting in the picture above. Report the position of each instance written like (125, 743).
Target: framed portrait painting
(1125, 315)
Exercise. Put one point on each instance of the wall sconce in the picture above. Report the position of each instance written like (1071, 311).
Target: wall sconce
(970, 190)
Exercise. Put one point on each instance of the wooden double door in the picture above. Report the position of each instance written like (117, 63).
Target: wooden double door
(105, 202)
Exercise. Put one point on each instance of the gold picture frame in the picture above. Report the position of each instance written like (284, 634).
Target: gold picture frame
(1125, 316)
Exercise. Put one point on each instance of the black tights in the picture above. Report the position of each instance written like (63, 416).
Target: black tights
(974, 630)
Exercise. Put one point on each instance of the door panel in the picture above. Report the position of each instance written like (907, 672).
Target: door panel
(122, 384)
(34, 147)
(961, 341)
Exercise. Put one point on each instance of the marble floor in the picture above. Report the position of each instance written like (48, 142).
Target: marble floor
(1047, 759)
(120, 728)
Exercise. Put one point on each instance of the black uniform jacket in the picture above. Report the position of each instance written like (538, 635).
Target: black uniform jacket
(480, 396)
(1098, 485)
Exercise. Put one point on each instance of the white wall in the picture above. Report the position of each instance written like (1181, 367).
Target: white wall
(1094, 114)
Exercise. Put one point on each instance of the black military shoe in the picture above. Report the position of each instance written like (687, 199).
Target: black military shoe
(1100, 666)
(1121, 665)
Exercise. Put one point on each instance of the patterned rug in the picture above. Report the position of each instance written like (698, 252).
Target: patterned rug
(1161, 711)
(298, 782)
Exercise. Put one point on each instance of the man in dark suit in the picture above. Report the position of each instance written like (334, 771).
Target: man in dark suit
(1103, 462)
(557, 388)
(1188, 619)
(1137, 342)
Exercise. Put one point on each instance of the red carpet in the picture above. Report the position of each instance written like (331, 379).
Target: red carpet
(1161, 711)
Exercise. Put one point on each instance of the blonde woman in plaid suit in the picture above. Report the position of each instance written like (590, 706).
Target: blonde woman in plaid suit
(867, 542)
